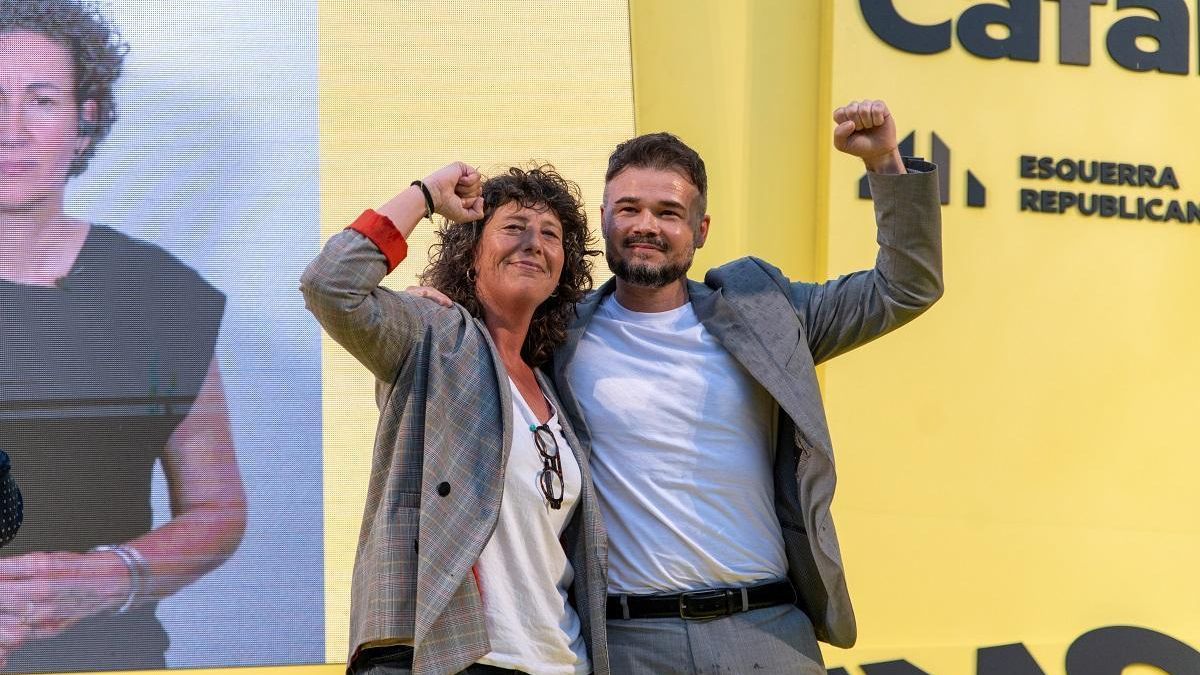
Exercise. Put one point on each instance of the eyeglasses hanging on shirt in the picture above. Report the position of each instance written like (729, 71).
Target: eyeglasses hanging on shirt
(550, 478)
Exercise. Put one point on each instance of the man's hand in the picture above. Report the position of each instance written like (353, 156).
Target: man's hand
(866, 130)
(457, 191)
(430, 293)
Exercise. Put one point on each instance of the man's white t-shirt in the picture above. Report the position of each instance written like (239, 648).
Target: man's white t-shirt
(681, 453)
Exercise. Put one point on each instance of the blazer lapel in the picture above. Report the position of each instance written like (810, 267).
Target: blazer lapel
(722, 318)
(583, 316)
(482, 473)
(584, 311)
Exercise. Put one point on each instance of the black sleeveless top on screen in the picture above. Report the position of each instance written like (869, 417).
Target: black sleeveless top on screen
(95, 375)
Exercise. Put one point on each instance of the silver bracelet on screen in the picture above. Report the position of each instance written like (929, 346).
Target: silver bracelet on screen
(138, 568)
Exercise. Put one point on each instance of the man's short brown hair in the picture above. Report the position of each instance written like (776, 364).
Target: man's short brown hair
(665, 152)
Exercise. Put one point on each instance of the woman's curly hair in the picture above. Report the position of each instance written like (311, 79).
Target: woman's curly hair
(96, 48)
(452, 256)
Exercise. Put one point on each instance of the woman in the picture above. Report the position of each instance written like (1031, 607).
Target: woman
(480, 516)
(108, 369)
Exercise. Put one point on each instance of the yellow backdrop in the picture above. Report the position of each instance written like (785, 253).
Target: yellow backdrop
(1018, 466)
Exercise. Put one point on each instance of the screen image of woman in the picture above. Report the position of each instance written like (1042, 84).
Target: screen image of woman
(108, 370)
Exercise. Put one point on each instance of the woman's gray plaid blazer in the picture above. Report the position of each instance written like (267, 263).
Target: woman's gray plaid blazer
(445, 417)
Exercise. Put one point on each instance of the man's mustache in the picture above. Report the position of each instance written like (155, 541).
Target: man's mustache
(657, 242)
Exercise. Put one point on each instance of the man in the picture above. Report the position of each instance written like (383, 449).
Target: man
(709, 445)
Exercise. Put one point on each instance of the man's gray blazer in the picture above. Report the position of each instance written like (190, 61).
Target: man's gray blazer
(779, 330)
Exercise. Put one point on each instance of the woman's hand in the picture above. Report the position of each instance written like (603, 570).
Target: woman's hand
(43, 594)
(457, 191)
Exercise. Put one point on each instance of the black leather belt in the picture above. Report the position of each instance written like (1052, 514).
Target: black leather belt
(704, 604)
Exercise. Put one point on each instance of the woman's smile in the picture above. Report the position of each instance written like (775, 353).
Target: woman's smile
(528, 265)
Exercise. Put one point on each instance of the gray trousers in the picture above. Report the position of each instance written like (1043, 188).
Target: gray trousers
(777, 639)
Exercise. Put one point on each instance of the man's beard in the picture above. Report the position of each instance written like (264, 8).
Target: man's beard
(644, 274)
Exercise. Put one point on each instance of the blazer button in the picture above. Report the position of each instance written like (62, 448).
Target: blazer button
(443, 488)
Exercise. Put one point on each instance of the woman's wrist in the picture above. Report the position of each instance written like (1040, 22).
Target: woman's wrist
(405, 210)
(125, 565)
(430, 207)
(107, 565)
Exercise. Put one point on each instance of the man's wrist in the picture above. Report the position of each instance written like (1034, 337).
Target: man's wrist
(890, 163)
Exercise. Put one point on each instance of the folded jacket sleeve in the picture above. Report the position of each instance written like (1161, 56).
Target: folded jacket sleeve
(377, 325)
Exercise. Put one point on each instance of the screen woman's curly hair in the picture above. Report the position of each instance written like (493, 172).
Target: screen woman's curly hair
(96, 48)
(453, 254)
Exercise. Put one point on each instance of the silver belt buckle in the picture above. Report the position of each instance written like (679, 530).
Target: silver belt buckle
(707, 604)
